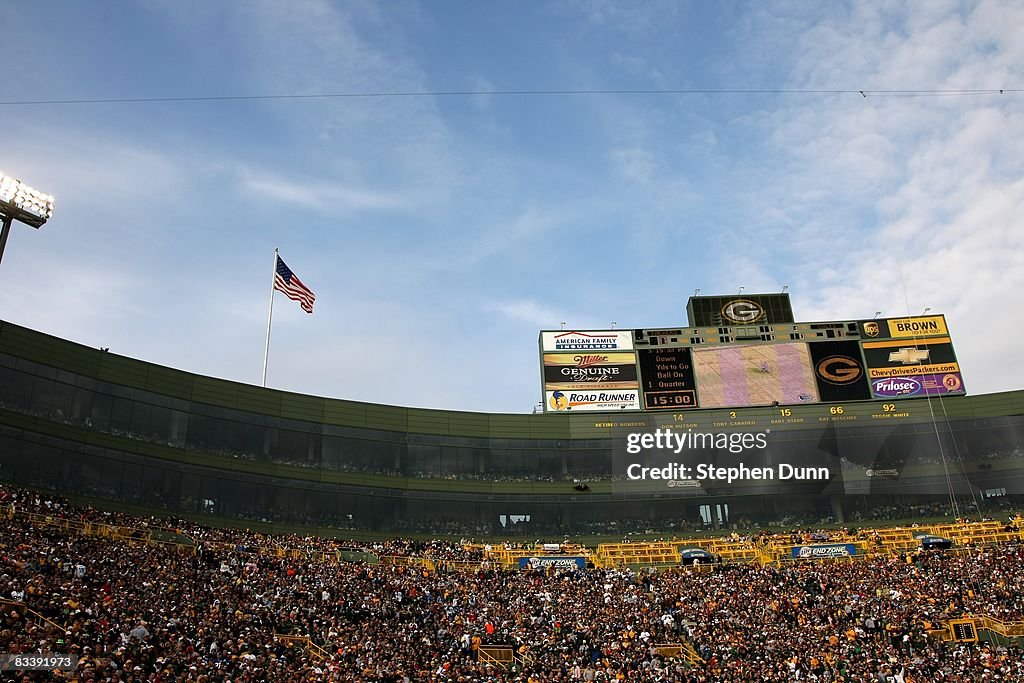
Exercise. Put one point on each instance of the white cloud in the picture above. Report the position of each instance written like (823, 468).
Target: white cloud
(902, 203)
(318, 195)
(485, 220)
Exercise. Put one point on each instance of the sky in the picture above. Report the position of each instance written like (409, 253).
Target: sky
(440, 233)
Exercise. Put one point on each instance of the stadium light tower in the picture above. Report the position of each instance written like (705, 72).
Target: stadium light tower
(19, 202)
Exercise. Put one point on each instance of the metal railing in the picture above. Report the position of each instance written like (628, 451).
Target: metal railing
(31, 614)
(305, 643)
(496, 655)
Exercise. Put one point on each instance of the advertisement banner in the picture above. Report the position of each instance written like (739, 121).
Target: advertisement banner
(757, 374)
(933, 325)
(839, 371)
(873, 329)
(666, 377)
(909, 358)
(903, 328)
(599, 340)
(589, 359)
(590, 376)
(824, 551)
(918, 385)
(572, 563)
(593, 400)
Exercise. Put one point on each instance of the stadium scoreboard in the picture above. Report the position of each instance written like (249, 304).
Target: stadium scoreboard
(752, 354)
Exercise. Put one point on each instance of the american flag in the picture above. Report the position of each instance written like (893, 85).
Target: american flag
(286, 281)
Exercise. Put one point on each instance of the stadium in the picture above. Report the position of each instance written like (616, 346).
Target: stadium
(435, 479)
(292, 537)
(89, 423)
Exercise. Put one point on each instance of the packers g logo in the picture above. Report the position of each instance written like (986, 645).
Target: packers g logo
(558, 401)
(742, 311)
(839, 370)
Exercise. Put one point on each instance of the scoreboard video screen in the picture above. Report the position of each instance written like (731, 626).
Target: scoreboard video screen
(748, 366)
(754, 374)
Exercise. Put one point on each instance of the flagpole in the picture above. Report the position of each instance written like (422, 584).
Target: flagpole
(270, 318)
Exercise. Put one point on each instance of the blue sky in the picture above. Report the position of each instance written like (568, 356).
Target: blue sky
(441, 233)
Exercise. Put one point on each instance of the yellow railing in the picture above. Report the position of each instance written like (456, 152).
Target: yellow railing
(525, 658)
(671, 650)
(406, 561)
(175, 539)
(30, 613)
(683, 650)
(496, 655)
(777, 549)
(457, 566)
(305, 643)
(508, 558)
(1007, 629)
(893, 540)
(667, 552)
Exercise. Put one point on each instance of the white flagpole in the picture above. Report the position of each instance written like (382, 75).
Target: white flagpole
(270, 318)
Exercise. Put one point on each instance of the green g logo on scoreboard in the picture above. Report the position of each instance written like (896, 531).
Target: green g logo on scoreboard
(839, 370)
(742, 311)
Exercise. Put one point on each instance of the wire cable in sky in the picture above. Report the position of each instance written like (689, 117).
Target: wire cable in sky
(533, 93)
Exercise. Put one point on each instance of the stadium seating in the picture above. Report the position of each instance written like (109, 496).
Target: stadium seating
(179, 601)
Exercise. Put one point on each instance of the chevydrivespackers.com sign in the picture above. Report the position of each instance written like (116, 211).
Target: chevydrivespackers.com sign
(903, 358)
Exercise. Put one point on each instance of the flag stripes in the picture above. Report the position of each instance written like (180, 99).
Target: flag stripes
(286, 282)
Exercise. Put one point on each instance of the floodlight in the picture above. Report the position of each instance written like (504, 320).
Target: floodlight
(19, 202)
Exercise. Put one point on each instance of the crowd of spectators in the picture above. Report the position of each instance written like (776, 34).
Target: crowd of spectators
(209, 612)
